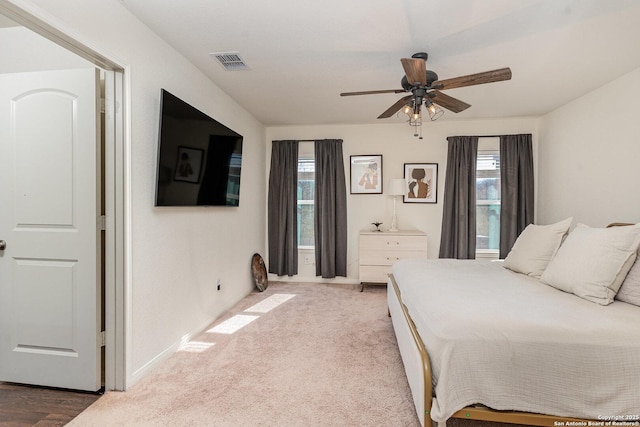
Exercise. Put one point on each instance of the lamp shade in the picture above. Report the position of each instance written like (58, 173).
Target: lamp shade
(397, 187)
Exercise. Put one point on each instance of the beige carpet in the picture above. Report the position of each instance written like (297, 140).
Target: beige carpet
(325, 357)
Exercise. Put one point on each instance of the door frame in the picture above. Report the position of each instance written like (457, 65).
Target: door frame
(117, 178)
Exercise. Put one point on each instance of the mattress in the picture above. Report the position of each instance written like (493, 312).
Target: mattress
(507, 341)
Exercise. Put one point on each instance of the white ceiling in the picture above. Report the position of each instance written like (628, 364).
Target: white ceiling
(303, 53)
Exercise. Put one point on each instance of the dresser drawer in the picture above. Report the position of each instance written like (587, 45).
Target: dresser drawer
(378, 257)
(393, 242)
(374, 273)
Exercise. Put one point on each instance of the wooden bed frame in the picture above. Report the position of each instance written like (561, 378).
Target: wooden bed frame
(420, 360)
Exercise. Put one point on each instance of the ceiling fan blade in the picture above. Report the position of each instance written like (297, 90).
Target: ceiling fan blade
(448, 102)
(474, 79)
(415, 70)
(372, 92)
(395, 107)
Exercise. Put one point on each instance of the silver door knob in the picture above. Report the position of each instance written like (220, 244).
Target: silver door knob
(3, 245)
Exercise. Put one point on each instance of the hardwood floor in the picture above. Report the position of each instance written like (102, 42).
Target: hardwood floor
(23, 405)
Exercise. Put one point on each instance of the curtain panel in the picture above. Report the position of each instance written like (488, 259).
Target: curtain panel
(516, 176)
(330, 210)
(283, 209)
(458, 237)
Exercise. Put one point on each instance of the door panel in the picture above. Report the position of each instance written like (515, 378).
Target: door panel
(49, 207)
(43, 305)
(44, 170)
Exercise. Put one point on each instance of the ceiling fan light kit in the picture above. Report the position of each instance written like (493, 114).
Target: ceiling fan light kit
(434, 111)
(425, 88)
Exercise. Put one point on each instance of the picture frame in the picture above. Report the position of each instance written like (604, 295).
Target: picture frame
(421, 183)
(366, 174)
(188, 164)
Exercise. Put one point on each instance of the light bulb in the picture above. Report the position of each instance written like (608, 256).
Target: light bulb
(434, 111)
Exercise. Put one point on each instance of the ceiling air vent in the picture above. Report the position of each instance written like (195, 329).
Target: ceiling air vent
(231, 61)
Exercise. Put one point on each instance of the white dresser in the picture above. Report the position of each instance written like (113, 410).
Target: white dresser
(380, 250)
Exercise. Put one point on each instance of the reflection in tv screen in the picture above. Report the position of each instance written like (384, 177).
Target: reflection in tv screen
(199, 159)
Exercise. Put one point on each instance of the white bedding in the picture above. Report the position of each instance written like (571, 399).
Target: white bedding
(507, 341)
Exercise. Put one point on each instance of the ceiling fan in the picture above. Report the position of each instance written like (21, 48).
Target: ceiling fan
(425, 87)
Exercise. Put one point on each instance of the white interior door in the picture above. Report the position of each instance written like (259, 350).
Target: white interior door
(49, 210)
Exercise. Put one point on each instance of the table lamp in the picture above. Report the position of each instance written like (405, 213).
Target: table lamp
(397, 188)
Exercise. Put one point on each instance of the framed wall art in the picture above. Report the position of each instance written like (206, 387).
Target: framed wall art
(421, 180)
(189, 164)
(366, 174)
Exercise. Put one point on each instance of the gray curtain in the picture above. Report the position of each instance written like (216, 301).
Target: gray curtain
(458, 237)
(516, 176)
(283, 208)
(330, 210)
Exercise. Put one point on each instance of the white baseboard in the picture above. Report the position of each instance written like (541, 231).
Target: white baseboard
(163, 355)
(314, 279)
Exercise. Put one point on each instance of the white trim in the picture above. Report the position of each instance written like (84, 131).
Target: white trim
(117, 176)
(487, 254)
(47, 26)
(117, 234)
(167, 352)
(315, 279)
(126, 294)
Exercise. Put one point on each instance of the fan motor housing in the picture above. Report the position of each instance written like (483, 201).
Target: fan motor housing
(431, 77)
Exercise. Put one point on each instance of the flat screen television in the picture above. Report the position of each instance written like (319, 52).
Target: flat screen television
(199, 159)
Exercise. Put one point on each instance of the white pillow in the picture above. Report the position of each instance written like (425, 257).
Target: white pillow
(535, 247)
(630, 289)
(593, 262)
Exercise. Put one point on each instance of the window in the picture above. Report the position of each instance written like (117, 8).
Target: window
(306, 195)
(488, 202)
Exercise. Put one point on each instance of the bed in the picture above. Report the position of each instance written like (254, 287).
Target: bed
(481, 341)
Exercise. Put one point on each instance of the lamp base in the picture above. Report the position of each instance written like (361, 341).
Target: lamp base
(394, 218)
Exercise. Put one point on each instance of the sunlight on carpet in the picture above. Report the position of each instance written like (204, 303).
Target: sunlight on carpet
(270, 303)
(237, 322)
(196, 346)
(233, 324)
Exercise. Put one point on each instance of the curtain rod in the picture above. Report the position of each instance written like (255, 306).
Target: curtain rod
(308, 140)
(479, 136)
(496, 136)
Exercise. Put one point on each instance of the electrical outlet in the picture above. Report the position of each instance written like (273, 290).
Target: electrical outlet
(308, 259)
(219, 284)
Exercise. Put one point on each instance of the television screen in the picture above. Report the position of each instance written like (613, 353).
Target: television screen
(199, 159)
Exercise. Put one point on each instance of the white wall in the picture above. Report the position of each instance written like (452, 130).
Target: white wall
(22, 50)
(177, 254)
(588, 158)
(398, 146)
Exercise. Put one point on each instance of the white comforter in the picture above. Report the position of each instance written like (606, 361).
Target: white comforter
(512, 343)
